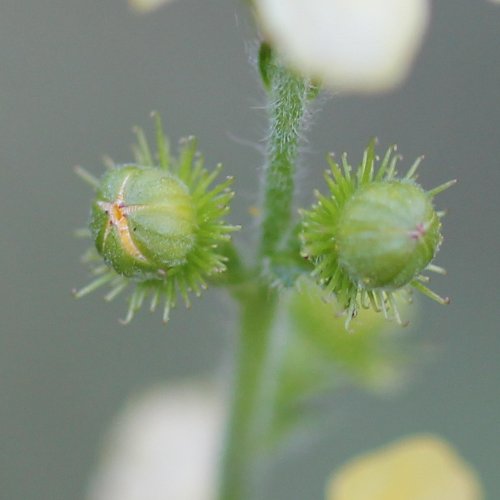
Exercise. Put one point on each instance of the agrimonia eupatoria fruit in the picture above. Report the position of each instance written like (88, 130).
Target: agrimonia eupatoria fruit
(373, 235)
(157, 224)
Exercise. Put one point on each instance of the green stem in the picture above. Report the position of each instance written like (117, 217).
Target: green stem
(250, 405)
(288, 95)
(256, 363)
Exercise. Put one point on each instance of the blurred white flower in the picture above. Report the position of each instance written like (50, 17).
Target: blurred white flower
(353, 45)
(147, 5)
(164, 446)
(417, 468)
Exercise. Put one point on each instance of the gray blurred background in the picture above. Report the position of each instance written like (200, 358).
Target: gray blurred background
(75, 76)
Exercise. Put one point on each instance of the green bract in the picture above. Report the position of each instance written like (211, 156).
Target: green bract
(159, 223)
(373, 234)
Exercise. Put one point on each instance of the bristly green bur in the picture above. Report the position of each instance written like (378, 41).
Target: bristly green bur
(158, 225)
(370, 238)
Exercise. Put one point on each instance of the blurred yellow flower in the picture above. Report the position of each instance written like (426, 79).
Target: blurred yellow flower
(353, 45)
(147, 5)
(416, 468)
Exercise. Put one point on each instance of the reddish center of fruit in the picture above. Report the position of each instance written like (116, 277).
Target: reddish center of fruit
(418, 232)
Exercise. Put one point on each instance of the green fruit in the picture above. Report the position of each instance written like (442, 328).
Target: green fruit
(387, 234)
(143, 220)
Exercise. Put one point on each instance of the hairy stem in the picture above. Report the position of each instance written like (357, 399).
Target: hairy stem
(288, 96)
(256, 361)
